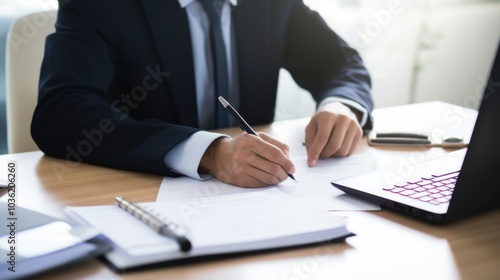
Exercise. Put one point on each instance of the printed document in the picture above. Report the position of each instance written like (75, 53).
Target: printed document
(313, 185)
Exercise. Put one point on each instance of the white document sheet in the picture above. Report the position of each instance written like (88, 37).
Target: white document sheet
(313, 185)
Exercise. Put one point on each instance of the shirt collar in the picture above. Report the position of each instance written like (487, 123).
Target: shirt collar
(184, 3)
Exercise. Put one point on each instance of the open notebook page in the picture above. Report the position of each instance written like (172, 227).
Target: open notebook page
(231, 223)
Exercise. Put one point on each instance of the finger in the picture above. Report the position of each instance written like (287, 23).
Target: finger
(266, 172)
(252, 180)
(274, 154)
(352, 138)
(248, 169)
(282, 146)
(344, 138)
(239, 172)
(336, 140)
(238, 163)
(317, 137)
(355, 141)
(243, 180)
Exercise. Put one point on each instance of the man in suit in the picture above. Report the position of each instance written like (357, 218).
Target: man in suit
(129, 84)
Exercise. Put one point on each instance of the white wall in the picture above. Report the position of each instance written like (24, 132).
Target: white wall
(415, 50)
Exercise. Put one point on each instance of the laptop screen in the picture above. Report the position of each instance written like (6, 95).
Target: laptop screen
(477, 186)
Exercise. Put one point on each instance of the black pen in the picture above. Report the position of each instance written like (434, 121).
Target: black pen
(168, 229)
(238, 119)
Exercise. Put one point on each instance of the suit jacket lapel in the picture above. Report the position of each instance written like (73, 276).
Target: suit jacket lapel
(170, 30)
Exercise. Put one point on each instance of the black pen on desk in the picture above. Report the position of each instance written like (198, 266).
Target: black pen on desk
(168, 229)
(238, 119)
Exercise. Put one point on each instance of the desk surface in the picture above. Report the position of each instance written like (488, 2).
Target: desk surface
(386, 245)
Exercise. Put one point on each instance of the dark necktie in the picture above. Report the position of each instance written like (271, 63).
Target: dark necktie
(213, 9)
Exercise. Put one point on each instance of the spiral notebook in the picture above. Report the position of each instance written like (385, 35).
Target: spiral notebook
(219, 225)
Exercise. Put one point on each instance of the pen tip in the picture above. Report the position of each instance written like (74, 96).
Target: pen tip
(291, 177)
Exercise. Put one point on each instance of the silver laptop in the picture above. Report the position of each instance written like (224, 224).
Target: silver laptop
(453, 187)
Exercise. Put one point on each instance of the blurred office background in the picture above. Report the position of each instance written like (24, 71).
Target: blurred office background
(416, 50)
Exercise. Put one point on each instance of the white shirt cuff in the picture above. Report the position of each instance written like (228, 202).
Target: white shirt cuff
(186, 156)
(350, 103)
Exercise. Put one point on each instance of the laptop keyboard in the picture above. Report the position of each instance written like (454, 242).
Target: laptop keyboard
(436, 189)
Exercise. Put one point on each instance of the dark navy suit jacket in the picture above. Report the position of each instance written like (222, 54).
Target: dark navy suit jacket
(117, 84)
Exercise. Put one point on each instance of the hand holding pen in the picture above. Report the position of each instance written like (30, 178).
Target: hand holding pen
(238, 119)
(248, 160)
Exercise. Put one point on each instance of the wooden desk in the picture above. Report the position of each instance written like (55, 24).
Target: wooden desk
(386, 245)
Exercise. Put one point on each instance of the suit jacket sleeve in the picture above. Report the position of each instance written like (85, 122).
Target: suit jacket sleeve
(323, 63)
(83, 116)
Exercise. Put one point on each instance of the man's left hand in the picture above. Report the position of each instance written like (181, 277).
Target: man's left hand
(334, 130)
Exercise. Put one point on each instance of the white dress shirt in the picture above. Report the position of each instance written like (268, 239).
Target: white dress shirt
(185, 157)
(199, 27)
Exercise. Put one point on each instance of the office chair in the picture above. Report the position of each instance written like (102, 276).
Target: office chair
(24, 53)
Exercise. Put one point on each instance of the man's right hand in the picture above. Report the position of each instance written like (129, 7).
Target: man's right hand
(248, 161)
